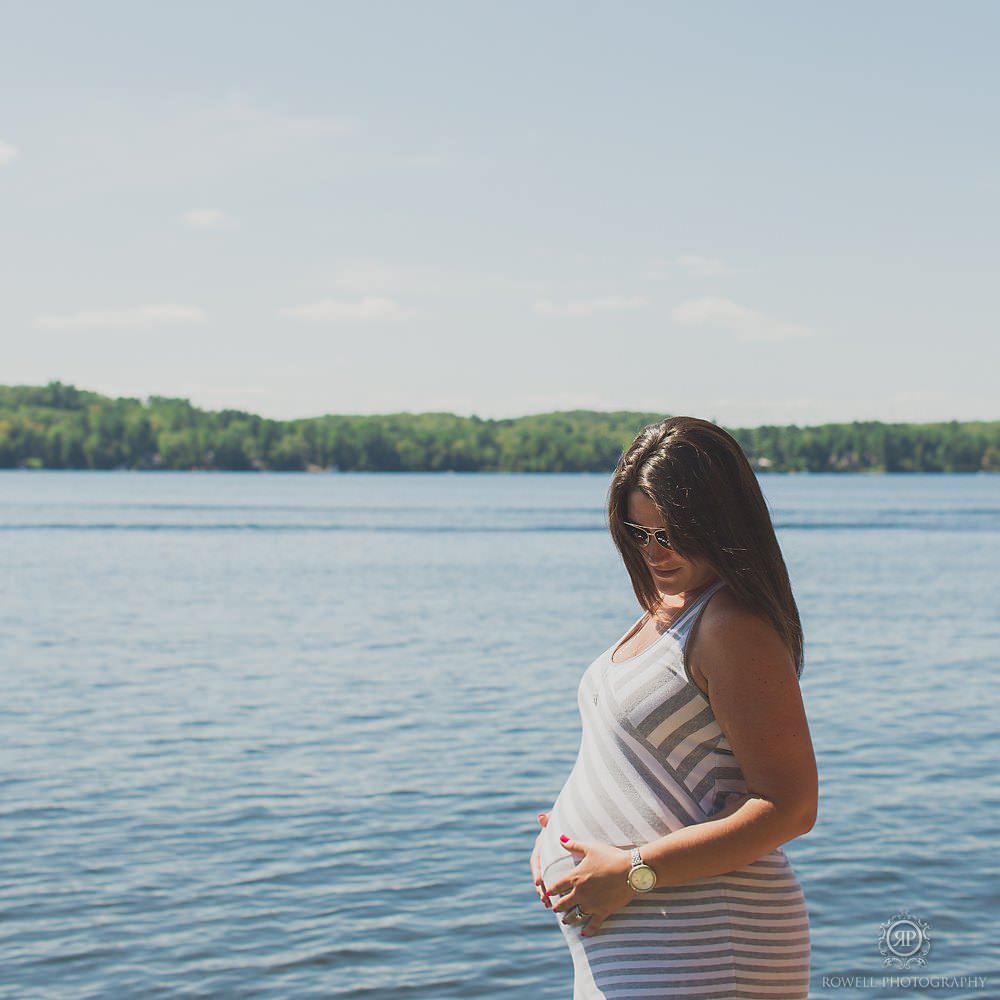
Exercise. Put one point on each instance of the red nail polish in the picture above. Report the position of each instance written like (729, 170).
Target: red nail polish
(564, 839)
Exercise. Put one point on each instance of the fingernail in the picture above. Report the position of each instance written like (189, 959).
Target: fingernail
(564, 839)
(540, 817)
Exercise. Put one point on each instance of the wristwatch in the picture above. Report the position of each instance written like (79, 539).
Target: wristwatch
(641, 877)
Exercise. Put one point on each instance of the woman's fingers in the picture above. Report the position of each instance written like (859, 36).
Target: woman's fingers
(536, 871)
(567, 898)
(543, 893)
(539, 883)
(593, 925)
(536, 874)
(573, 846)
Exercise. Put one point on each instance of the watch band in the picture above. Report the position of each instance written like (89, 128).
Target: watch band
(636, 857)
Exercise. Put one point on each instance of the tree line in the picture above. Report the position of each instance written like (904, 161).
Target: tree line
(58, 426)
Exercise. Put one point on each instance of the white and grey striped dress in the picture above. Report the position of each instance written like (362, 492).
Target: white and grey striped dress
(654, 759)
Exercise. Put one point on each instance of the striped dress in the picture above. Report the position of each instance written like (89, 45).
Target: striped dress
(654, 759)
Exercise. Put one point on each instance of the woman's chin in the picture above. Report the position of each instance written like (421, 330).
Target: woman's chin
(667, 583)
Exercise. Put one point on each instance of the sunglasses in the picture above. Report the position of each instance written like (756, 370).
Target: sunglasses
(641, 535)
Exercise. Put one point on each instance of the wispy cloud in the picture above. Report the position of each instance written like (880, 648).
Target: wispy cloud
(131, 318)
(239, 115)
(588, 307)
(702, 267)
(661, 269)
(372, 278)
(205, 218)
(743, 321)
(370, 309)
(8, 153)
(361, 277)
(172, 140)
(442, 153)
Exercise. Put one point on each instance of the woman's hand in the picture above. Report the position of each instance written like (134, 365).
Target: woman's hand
(597, 885)
(536, 866)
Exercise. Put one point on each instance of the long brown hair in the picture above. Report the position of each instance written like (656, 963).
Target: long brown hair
(697, 476)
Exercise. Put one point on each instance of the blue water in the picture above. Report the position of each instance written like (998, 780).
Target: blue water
(286, 736)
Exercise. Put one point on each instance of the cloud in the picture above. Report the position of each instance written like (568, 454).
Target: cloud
(129, 142)
(241, 126)
(702, 267)
(661, 269)
(370, 278)
(240, 112)
(135, 317)
(361, 277)
(741, 320)
(8, 153)
(205, 218)
(441, 154)
(588, 307)
(370, 309)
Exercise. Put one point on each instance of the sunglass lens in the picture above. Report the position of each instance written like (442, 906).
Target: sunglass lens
(661, 537)
(639, 536)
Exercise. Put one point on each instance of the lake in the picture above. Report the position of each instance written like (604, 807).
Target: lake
(286, 735)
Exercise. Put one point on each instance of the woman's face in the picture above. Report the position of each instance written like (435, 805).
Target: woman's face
(672, 573)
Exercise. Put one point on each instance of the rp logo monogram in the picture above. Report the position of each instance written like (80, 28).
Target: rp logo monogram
(904, 941)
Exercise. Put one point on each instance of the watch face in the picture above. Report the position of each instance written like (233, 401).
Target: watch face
(642, 878)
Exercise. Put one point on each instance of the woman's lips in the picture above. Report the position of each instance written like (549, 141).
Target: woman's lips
(663, 572)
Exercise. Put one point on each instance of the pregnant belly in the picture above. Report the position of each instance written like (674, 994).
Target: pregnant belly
(554, 859)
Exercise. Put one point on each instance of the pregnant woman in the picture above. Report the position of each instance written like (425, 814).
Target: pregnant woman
(662, 854)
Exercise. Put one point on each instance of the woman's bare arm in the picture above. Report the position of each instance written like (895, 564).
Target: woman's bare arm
(756, 699)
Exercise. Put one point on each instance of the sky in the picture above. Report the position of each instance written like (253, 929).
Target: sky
(774, 212)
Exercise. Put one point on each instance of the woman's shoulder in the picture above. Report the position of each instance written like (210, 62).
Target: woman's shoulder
(725, 610)
(728, 626)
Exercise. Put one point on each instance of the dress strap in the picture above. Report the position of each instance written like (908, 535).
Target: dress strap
(684, 624)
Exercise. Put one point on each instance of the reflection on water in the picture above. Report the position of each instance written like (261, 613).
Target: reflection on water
(275, 736)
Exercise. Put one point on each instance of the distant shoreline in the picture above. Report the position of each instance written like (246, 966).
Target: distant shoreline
(60, 427)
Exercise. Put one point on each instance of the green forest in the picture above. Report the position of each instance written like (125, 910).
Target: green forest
(58, 426)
